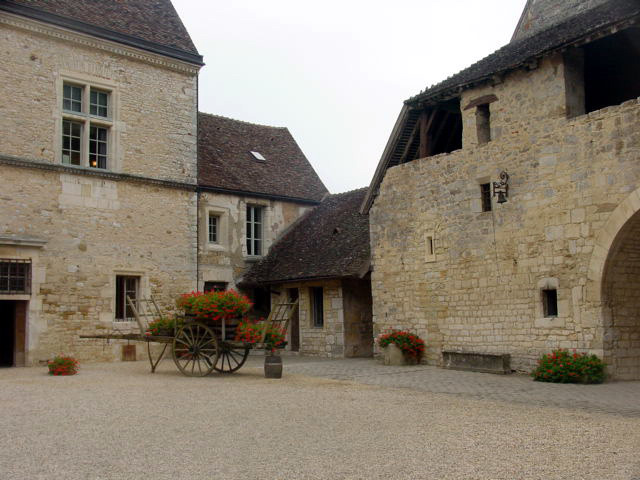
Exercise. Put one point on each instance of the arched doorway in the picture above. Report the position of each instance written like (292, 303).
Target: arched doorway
(621, 301)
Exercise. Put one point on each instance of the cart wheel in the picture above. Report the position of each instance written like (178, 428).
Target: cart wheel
(231, 358)
(195, 350)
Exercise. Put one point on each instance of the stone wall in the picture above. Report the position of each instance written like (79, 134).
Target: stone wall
(227, 260)
(326, 341)
(154, 99)
(95, 227)
(481, 291)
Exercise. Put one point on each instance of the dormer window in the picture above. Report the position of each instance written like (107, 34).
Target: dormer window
(258, 156)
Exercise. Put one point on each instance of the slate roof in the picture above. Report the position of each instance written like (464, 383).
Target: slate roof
(153, 22)
(518, 52)
(225, 162)
(331, 241)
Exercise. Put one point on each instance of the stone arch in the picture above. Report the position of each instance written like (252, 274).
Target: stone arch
(613, 288)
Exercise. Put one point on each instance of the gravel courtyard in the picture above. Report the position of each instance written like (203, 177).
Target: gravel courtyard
(117, 421)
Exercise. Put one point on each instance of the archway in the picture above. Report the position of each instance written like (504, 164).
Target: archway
(614, 288)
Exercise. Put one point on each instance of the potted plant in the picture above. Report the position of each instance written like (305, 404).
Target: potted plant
(214, 306)
(401, 348)
(63, 365)
(163, 327)
(250, 332)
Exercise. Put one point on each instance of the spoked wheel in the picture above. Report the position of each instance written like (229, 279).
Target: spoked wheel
(231, 358)
(195, 350)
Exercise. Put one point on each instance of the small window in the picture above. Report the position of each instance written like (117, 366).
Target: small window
(213, 228)
(15, 276)
(550, 303)
(126, 286)
(485, 195)
(215, 286)
(254, 230)
(483, 123)
(317, 306)
(99, 103)
(72, 98)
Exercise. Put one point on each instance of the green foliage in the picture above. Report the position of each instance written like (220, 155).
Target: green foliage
(563, 367)
(163, 325)
(63, 365)
(214, 305)
(410, 344)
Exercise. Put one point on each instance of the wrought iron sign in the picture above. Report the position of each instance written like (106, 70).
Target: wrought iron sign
(501, 188)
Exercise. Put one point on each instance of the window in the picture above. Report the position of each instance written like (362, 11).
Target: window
(430, 248)
(213, 228)
(86, 126)
(550, 303)
(483, 123)
(126, 286)
(317, 306)
(485, 195)
(215, 286)
(254, 230)
(15, 276)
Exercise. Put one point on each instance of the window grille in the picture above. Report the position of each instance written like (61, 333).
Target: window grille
(15, 276)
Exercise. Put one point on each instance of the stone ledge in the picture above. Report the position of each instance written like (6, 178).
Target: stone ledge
(477, 362)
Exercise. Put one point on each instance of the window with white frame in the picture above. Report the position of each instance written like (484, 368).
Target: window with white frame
(255, 216)
(86, 125)
(213, 228)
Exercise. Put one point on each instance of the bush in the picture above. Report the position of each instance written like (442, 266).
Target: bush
(214, 305)
(62, 365)
(563, 367)
(410, 344)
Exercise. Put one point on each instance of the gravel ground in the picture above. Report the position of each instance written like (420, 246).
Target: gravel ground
(117, 421)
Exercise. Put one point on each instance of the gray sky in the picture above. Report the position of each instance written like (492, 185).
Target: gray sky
(336, 72)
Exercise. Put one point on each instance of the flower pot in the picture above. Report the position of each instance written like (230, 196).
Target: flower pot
(272, 366)
(395, 356)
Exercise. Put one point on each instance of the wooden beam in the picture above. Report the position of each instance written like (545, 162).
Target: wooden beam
(425, 121)
(481, 101)
(412, 137)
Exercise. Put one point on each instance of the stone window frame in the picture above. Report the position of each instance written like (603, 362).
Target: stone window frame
(206, 210)
(213, 228)
(430, 246)
(88, 121)
(542, 319)
(142, 292)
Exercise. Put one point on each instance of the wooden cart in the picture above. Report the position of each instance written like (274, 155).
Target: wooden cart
(198, 348)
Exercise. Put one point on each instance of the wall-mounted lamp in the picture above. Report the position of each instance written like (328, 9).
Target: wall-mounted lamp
(501, 188)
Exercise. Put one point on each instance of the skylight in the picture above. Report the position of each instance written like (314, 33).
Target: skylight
(258, 156)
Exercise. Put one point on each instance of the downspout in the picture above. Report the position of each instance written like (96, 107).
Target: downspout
(197, 181)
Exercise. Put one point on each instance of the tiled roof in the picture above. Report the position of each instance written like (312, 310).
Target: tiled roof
(331, 241)
(153, 21)
(225, 161)
(518, 52)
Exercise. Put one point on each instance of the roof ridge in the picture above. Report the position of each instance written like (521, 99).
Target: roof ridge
(347, 192)
(240, 121)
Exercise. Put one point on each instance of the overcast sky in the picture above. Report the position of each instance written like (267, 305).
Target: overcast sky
(336, 72)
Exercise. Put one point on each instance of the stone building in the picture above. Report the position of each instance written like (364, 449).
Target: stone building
(549, 257)
(323, 261)
(100, 194)
(254, 181)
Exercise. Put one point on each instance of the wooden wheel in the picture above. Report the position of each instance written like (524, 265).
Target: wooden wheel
(195, 350)
(231, 358)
